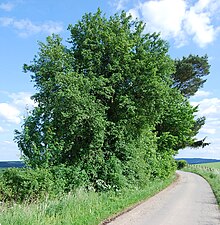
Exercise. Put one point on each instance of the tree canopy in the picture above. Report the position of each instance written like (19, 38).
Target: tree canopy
(106, 103)
(188, 77)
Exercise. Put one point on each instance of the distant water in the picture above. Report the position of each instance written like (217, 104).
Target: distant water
(198, 160)
(8, 164)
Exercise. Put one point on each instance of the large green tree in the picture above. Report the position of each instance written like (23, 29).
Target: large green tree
(99, 100)
(189, 77)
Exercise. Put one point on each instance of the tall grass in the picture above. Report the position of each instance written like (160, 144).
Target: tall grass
(215, 165)
(80, 208)
(210, 174)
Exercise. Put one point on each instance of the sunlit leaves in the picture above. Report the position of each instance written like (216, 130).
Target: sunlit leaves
(100, 100)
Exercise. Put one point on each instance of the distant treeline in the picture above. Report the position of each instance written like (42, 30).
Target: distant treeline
(8, 164)
(198, 160)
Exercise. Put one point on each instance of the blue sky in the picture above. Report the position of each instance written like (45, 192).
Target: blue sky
(190, 26)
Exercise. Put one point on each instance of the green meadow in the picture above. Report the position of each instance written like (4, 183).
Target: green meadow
(215, 165)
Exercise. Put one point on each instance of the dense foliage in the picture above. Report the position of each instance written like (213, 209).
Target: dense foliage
(188, 77)
(106, 105)
(29, 185)
(181, 164)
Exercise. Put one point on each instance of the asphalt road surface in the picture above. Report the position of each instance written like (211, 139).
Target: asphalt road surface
(189, 201)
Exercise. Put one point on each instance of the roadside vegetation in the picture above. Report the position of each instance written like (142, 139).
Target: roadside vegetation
(80, 207)
(211, 174)
(112, 110)
(215, 165)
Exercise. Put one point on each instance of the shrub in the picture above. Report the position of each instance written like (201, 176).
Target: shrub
(28, 184)
(181, 164)
(68, 178)
(25, 184)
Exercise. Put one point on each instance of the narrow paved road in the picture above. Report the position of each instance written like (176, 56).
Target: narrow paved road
(190, 201)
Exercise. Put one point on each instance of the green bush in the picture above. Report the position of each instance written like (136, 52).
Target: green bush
(28, 184)
(181, 164)
(25, 184)
(68, 178)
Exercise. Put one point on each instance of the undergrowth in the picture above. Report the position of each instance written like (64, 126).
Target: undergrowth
(79, 208)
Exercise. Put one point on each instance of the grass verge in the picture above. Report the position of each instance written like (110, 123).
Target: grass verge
(215, 165)
(80, 208)
(211, 175)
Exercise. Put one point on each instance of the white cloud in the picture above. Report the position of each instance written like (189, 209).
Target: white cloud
(7, 142)
(214, 121)
(10, 113)
(22, 99)
(134, 13)
(9, 150)
(5, 21)
(1, 130)
(211, 127)
(160, 16)
(202, 94)
(208, 107)
(180, 19)
(7, 6)
(120, 4)
(25, 27)
(12, 110)
(210, 5)
(198, 25)
(210, 152)
(208, 130)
